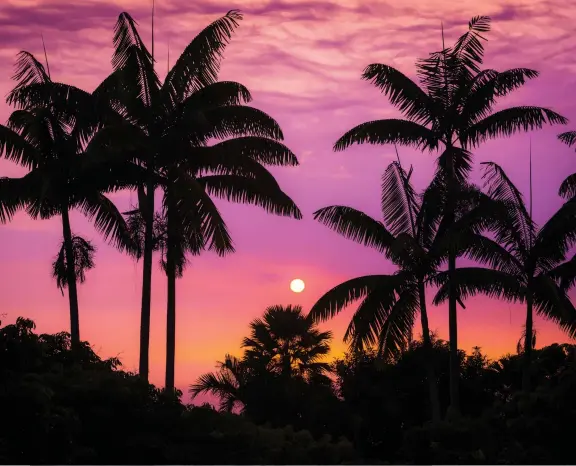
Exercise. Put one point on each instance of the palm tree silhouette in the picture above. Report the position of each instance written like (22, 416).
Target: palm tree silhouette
(283, 346)
(416, 242)
(177, 119)
(528, 264)
(453, 109)
(228, 383)
(286, 342)
(48, 135)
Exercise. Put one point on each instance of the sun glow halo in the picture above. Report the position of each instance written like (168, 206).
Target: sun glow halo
(297, 285)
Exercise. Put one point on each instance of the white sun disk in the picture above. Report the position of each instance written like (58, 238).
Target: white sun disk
(297, 285)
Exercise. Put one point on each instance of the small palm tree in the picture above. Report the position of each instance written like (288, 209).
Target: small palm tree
(286, 342)
(452, 108)
(83, 253)
(284, 346)
(228, 383)
(528, 264)
(48, 136)
(176, 120)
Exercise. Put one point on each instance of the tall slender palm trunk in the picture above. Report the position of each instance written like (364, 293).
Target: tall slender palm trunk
(528, 339)
(71, 279)
(171, 305)
(452, 296)
(144, 365)
(430, 373)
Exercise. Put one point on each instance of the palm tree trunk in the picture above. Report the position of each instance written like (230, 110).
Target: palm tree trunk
(144, 366)
(171, 306)
(527, 360)
(452, 297)
(430, 375)
(71, 279)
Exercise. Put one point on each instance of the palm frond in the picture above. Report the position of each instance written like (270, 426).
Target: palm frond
(552, 303)
(261, 190)
(508, 122)
(107, 220)
(568, 187)
(397, 328)
(565, 274)
(262, 150)
(471, 281)
(501, 188)
(199, 215)
(390, 131)
(29, 71)
(568, 138)
(199, 64)
(369, 320)
(402, 92)
(356, 225)
(488, 85)
(341, 296)
(556, 237)
(133, 60)
(399, 201)
(17, 149)
(232, 121)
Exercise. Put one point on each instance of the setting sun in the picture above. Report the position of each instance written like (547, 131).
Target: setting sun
(297, 285)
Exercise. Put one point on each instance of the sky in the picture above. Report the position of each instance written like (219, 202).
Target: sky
(302, 61)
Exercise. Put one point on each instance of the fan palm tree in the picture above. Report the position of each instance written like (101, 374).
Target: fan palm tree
(528, 264)
(286, 342)
(284, 347)
(452, 108)
(47, 135)
(177, 119)
(568, 186)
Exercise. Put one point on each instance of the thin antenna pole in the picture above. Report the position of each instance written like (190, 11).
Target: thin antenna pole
(153, 11)
(530, 210)
(442, 28)
(45, 55)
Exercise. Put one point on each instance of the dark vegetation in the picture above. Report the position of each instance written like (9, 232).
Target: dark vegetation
(392, 398)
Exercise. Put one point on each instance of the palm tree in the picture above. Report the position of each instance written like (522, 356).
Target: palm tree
(415, 241)
(228, 383)
(177, 119)
(284, 346)
(451, 108)
(568, 186)
(48, 136)
(286, 342)
(528, 264)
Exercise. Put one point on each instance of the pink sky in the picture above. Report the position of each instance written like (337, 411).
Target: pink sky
(302, 61)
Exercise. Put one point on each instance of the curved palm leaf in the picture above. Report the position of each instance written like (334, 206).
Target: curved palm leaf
(83, 253)
(551, 302)
(402, 92)
(470, 281)
(356, 225)
(391, 131)
(508, 122)
(199, 64)
(341, 296)
(399, 201)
